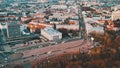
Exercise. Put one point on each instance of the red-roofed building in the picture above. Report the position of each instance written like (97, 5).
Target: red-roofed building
(33, 27)
(25, 18)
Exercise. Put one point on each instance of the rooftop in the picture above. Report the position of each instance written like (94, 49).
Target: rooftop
(51, 31)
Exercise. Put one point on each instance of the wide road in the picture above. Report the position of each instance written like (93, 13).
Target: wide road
(47, 52)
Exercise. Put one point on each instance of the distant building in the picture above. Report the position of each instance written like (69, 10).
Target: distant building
(51, 34)
(9, 26)
(10, 29)
(92, 26)
(59, 7)
(3, 13)
(13, 29)
(42, 1)
(52, 0)
(55, 22)
(115, 15)
(23, 19)
(3, 32)
(116, 8)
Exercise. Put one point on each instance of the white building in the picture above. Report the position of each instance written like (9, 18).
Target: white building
(115, 15)
(115, 8)
(55, 22)
(51, 34)
(69, 27)
(59, 7)
(42, 1)
(90, 28)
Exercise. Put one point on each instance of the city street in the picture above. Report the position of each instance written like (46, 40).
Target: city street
(56, 50)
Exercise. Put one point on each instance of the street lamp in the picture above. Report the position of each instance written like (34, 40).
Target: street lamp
(92, 40)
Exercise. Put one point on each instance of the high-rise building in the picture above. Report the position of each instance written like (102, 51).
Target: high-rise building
(3, 32)
(13, 29)
(10, 29)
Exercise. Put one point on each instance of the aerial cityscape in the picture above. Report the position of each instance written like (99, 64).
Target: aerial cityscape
(59, 33)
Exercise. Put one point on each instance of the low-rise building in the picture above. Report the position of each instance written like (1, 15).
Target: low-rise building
(42, 1)
(23, 19)
(115, 8)
(92, 26)
(59, 7)
(115, 15)
(51, 34)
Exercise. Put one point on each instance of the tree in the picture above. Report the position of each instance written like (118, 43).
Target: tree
(66, 20)
(63, 31)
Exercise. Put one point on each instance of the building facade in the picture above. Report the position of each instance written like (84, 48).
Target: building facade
(51, 34)
(13, 30)
(10, 29)
(115, 15)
